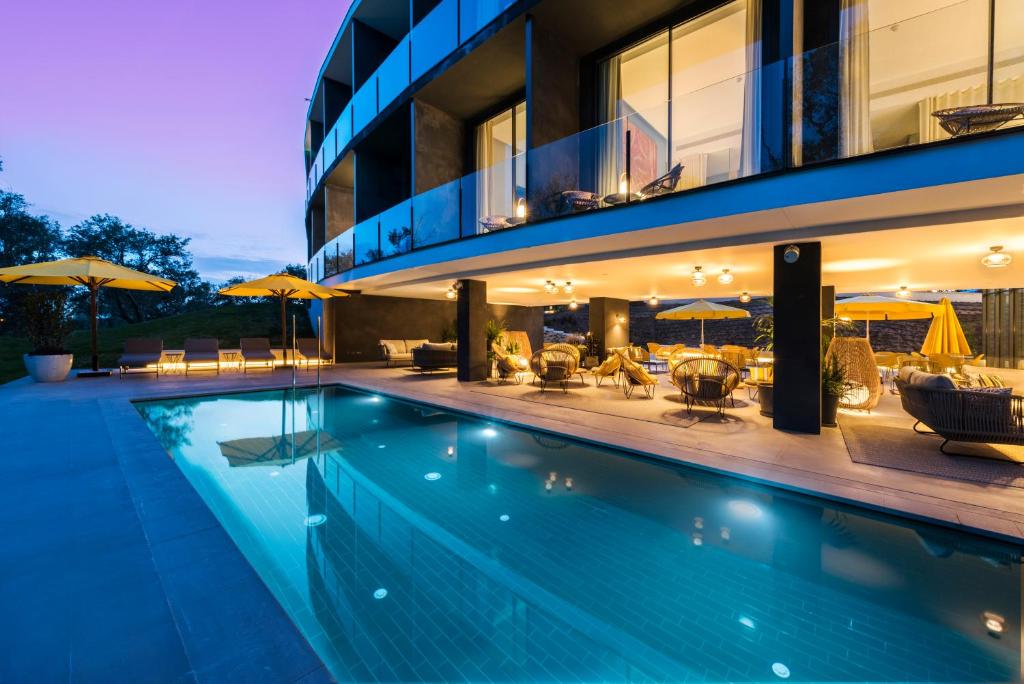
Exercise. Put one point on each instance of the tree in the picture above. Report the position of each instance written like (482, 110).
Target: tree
(166, 256)
(24, 239)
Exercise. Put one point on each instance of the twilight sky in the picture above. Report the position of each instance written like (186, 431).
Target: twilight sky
(183, 116)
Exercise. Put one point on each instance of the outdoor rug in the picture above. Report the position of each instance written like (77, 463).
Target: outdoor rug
(902, 448)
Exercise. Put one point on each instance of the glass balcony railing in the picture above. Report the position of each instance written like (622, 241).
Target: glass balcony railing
(745, 125)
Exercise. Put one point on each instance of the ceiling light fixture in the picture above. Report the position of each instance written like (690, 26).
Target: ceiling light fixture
(568, 289)
(745, 298)
(996, 258)
(573, 305)
(450, 293)
(549, 287)
(725, 277)
(698, 278)
(903, 291)
(653, 300)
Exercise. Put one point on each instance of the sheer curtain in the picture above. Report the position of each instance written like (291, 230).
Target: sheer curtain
(609, 94)
(750, 141)
(854, 79)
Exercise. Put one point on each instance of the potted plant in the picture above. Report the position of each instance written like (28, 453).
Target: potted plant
(833, 386)
(450, 332)
(495, 331)
(764, 329)
(47, 327)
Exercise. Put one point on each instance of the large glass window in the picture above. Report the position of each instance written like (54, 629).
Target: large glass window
(680, 95)
(501, 165)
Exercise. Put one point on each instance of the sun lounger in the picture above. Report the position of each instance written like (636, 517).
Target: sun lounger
(141, 354)
(204, 351)
(256, 350)
(309, 351)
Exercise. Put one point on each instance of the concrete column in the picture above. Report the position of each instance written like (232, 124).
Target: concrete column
(472, 316)
(609, 323)
(797, 310)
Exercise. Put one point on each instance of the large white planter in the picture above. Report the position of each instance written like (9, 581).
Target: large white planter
(48, 367)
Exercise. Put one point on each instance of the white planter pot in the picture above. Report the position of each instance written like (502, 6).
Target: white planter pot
(48, 367)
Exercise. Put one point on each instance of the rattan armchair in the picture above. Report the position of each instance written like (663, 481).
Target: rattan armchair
(706, 380)
(634, 375)
(509, 366)
(572, 350)
(964, 415)
(610, 368)
(553, 366)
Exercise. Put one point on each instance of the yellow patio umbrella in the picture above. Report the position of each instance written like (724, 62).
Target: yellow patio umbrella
(90, 272)
(283, 286)
(945, 335)
(878, 308)
(702, 310)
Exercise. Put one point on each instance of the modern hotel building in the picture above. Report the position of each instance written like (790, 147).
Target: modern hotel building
(463, 154)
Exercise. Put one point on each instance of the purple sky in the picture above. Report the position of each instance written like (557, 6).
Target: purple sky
(182, 117)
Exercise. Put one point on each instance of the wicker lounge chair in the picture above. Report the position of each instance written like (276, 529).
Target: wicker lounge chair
(706, 380)
(574, 351)
(961, 415)
(510, 366)
(663, 185)
(864, 383)
(202, 350)
(552, 365)
(256, 350)
(610, 368)
(141, 354)
(634, 375)
(309, 350)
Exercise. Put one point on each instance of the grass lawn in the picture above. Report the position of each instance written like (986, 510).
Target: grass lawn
(227, 323)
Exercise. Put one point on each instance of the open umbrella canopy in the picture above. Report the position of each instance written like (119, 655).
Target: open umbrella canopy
(86, 271)
(91, 272)
(283, 286)
(878, 308)
(279, 450)
(702, 310)
(945, 335)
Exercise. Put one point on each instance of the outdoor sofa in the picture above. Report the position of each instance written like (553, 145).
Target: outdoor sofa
(398, 351)
(432, 356)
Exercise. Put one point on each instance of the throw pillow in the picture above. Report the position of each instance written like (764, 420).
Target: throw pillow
(988, 381)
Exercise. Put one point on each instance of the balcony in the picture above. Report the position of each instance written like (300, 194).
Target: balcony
(705, 136)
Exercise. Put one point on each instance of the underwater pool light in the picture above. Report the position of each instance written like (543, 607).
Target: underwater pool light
(431, 476)
(315, 520)
(380, 593)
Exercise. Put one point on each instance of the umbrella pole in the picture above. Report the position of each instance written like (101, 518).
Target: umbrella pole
(284, 333)
(702, 332)
(93, 314)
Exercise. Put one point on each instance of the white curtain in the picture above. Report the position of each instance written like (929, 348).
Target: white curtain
(610, 137)
(751, 138)
(797, 149)
(854, 79)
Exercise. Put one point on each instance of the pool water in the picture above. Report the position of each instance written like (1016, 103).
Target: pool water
(409, 543)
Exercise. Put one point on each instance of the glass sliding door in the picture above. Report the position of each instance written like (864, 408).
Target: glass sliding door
(1008, 53)
(501, 167)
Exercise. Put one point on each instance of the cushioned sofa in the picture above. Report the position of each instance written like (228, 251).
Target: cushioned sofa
(395, 352)
(991, 415)
(431, 356)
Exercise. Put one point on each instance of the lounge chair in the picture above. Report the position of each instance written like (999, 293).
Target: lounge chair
(610, 368)
(510, 366)
(256, 350)
(706, 380)
(202, 350)
(309, 350)
(634, 375)
(141, 354)
(663, 185)
(573, 350)
(554, 364)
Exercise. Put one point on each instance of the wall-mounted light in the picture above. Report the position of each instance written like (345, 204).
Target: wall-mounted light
(620, 318)
(623, 184)
(450, 292)
(745, 298)
(725, 277)
(996, 258)
(903, 291)
(791, 255)
(549, 310)
(994, 623)
(573, 305)
(698, 278)
(653, 300)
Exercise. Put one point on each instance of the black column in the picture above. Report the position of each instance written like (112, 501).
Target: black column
(797, 309)
(472, 316)
(609, 323)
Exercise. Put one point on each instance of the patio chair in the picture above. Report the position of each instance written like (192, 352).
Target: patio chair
(706, 380)
(663, 185)
(141, 354)
(551, 365)
(574, 351)
(309, 350)
(609, 368)
(509, 366)
(579, 200)
(634, 375)
(736, 356)
(256, 350)
(203, 351)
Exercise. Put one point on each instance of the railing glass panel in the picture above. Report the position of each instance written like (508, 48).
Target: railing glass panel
(367, 241)
(396, 229)
(364, 104)
(475, 14)
(435, 37)
(393, 74)
(435, 215)
(339, 253)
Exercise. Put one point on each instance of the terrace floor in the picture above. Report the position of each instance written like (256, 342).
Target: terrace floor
(106, 542)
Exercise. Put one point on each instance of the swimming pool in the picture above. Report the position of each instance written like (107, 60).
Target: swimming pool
(409, 543)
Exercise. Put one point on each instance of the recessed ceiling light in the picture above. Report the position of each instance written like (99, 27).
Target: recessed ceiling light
(996, 258)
